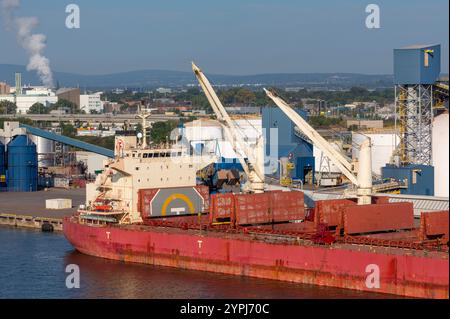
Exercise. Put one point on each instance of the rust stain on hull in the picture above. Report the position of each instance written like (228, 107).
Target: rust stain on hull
(400, 274)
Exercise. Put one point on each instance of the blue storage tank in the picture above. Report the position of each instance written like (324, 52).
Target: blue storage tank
(2, 164)
(22, 173)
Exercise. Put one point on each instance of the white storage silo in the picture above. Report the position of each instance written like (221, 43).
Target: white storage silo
(440, 153)
(383, 146)
(45, 149)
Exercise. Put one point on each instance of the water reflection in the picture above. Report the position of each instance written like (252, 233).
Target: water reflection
(102, 278)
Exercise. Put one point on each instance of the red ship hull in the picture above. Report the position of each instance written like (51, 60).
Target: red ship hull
(404, 272)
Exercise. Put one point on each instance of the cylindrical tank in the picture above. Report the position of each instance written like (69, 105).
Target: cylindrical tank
(440, 149)
(383, 146)
(2, 164)
(22, 165)
(45, 149)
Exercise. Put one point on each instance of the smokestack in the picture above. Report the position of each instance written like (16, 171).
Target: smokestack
(33, 43)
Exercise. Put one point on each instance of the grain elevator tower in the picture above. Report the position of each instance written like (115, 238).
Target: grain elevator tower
(416, 70)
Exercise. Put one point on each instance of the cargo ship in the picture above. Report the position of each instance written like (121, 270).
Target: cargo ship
(146, 207)
(152, 205)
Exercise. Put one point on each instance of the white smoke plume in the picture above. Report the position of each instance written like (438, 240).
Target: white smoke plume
(33, 43)
(7, 7)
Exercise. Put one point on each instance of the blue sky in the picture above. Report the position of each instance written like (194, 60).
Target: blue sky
(231, 36)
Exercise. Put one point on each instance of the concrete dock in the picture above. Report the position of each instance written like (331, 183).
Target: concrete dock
(28, 209)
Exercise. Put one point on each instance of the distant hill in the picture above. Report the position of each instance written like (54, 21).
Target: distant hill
(157, 78)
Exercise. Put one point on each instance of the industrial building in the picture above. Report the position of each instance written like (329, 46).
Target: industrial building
(25, 97)
(93, 162)
(283, 139)
(20, 159)
(91, 102)
(69, 94)
(5, 89)
(417, 89)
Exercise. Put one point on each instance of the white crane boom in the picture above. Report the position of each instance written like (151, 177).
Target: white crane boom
(252, 169)
(364, 179)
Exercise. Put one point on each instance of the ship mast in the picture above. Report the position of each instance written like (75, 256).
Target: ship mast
(143, 115)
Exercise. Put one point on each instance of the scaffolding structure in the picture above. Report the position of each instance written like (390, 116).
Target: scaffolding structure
(414, 104)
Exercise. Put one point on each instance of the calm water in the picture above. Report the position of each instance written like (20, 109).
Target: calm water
(32, 265)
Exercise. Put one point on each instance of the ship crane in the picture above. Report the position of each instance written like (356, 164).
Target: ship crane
(362, 180)
(253, 167)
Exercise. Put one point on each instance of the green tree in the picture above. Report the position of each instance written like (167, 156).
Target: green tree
(107, 142)
(38, 108)
(359, 91)
(160, 131)
(68, 129)
(245, 96)
(62, 103)
(123, 108)
(7, 107)
(324, 122)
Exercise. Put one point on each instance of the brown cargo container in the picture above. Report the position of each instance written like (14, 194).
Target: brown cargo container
(252, 209)
(378, 217)
(330, 212)
(434, 225)
(286, 206)
(222, 208)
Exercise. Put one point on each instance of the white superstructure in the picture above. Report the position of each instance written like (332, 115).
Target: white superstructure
(135, 167)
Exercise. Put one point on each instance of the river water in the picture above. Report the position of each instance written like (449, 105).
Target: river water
(32, 265)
